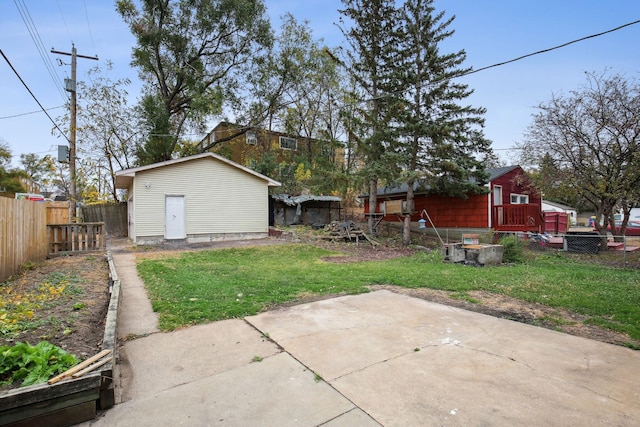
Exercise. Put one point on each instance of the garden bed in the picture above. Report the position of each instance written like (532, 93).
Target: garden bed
(81, 320)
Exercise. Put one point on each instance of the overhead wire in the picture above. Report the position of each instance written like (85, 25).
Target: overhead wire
(552, 48)
(37, 40)
(519, 58)
(30, 112)
(64, 20)
(33, 96)
(86, 15)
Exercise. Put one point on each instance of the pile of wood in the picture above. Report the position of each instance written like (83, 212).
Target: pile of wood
(346, 231)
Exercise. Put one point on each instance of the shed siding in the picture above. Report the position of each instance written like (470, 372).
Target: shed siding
(219, 198)
(445, 212)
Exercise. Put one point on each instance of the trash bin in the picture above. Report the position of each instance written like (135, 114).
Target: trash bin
(583, 242)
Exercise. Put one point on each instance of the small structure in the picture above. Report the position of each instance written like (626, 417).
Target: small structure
(510, 204)
(572, 213)
(201, 198)
(306, 209)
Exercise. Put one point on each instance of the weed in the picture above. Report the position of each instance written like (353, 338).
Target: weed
(29, 265)
(79, 306)
(317, 377)
(416, 349)
(463, 296)
(257, 358)
(434, 256)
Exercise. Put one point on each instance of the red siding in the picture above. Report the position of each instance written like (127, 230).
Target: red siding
(452, 212)
(445, 211)
(516, 182)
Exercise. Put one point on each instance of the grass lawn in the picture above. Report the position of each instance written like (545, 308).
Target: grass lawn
(204, 286)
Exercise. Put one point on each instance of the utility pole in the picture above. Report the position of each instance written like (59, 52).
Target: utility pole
(70, 85)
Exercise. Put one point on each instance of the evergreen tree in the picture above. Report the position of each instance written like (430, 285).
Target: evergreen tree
(371, 64)
(443, 143)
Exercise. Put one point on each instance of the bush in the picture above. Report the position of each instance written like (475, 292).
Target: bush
(513, 249)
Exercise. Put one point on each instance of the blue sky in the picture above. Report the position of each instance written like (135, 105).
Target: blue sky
(490, 32)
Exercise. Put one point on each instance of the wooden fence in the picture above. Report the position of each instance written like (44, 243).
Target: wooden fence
(58, 212)
(74, 238)
(114, 216)
(23, 235)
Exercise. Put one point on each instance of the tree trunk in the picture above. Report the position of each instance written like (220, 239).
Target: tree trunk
(373, 206)
(406, 229)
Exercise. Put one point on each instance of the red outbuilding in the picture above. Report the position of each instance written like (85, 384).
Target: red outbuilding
(511, 204)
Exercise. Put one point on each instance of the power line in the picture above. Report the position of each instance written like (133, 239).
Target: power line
(63, 20)
(86, 15)
(497, 64)
(30, 112)
(33, 96)
(37, 40)
(552, 48)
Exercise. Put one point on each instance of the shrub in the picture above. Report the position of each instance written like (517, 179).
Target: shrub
(513, 249)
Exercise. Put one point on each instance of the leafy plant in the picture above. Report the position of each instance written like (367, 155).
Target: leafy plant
(513, 249)
(33, 364)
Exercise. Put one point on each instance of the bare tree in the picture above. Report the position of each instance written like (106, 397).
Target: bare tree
(592, 134)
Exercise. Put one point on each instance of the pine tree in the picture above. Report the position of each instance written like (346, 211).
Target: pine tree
(442, 140)
(371, 66)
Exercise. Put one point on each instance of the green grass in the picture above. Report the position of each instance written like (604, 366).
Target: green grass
(199, 287)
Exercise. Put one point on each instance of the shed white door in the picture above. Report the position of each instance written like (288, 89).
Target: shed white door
(174, 218)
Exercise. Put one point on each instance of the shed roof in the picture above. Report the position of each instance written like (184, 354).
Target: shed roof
(296, 200)
(558, 205)
(402, 188)
(125, 177)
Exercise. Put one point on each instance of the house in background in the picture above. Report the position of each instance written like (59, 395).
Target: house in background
(249, 147)
(511, 204)
(201, 198)
(572, 213)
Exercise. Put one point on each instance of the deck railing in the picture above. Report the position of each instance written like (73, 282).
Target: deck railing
(75, 238)
(520, 217)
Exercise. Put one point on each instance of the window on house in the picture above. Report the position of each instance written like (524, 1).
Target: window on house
(288, 143)
(252, 138)
(519, 199)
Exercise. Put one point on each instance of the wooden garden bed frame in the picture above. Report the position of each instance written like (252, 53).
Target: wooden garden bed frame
(73, 400)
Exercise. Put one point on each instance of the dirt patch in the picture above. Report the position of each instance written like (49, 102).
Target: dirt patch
(62, 300)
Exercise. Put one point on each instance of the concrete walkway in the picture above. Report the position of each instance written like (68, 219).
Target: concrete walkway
(365, 360)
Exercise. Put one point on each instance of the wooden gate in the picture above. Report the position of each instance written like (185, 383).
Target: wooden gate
(76, 238)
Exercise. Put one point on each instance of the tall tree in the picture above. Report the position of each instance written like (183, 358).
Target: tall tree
(371, 61)
(107, 132)
(593, 134)
(443, 143)
(189, 52)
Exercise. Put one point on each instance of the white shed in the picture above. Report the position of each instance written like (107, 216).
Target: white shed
(572, 213)
(201, 198)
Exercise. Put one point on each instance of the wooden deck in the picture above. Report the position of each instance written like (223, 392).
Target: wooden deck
(518, 218)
